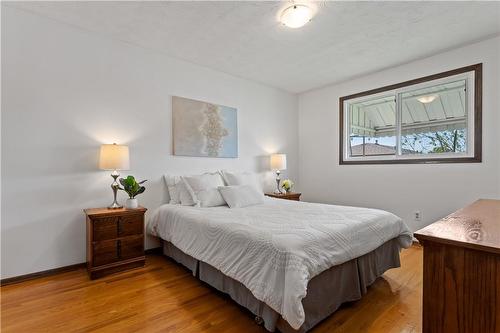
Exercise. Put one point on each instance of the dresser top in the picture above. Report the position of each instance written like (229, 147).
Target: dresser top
(113, 211)
(476, 226)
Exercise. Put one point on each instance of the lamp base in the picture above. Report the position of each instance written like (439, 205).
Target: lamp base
(115, 205)
(278, 180)
(114, 187)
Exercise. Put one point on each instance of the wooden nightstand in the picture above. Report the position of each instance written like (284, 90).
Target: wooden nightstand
(115, 240)
(287, 196)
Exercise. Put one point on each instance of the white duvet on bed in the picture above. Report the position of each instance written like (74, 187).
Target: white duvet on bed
(274, 249)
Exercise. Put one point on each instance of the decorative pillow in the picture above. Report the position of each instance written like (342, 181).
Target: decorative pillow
(185, 195)
(171, 182)
(204, 189)
(177, 191)
(242, 178)
(238, 196)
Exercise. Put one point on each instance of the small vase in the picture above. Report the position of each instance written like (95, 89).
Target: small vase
(131, 203)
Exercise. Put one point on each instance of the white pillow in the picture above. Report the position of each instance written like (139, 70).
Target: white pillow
(242, 178)
(185, 195)
(204, 189)
(177, 191)
(238, 196)
(171, 182)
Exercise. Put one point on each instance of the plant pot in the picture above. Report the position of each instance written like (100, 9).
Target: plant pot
(131, 203)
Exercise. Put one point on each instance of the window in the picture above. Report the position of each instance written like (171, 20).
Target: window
(434, 119)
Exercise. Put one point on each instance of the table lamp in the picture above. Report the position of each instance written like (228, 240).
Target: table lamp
(278, 163)
(114, 157)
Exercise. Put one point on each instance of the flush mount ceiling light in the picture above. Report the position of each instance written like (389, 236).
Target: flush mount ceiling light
(296, 16)
(426, 99)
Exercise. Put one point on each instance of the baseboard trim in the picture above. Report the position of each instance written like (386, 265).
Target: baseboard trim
(36, 275)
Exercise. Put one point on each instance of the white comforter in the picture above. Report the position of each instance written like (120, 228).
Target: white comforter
(274, 249)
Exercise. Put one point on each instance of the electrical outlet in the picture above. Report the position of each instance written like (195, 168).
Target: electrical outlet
(417, 216)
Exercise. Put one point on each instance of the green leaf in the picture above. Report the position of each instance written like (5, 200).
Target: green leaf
(131, 186)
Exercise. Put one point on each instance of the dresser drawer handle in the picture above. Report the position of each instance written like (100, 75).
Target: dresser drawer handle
(119, 248)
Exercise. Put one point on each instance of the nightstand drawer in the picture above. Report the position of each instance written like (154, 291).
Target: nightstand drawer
(131, 247)
(108, 251)
(118, 226)
(131, 225)
(105, 252)
(105, 228)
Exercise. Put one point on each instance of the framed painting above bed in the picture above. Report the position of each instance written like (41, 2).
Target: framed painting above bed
(203, 129)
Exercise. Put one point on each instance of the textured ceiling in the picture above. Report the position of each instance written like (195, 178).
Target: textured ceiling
(344, 39)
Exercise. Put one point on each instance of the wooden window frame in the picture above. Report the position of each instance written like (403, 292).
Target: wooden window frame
(477, 109)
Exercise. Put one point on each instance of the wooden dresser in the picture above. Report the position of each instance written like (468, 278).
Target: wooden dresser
(461, 283)
(287, 196)
(115, 240)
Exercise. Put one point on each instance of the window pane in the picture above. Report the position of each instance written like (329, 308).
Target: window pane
(372, 127)
(434, 119)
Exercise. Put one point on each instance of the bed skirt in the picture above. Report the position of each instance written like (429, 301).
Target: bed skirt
(325, 292)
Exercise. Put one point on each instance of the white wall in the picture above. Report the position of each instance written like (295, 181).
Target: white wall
(65, 91)
(435, 189)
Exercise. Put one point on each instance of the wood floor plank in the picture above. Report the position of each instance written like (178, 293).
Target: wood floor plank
(164, 297)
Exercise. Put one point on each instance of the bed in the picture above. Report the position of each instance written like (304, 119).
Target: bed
(290, 263)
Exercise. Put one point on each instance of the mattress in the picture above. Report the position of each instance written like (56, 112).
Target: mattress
(276, 248)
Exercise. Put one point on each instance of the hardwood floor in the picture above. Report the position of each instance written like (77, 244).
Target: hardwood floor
(164, 297)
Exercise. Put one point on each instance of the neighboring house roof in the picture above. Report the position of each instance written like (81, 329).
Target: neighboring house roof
(377, 149)
(376, 116)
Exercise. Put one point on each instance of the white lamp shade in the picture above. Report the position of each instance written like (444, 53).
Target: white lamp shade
(278, 161)
(114, 157)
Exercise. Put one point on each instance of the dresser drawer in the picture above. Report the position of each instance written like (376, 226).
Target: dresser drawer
(118, 226)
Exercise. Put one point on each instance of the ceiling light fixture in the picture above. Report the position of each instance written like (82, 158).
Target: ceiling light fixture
(296, 16)
(426, 99)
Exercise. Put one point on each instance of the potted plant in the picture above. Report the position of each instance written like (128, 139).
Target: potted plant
(287, 185)
(133, 188)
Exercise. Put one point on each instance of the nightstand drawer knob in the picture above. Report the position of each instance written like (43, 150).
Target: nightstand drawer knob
(119, 248)
(119, 227)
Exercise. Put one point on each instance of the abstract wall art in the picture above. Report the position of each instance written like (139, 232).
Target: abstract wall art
(203, 129)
